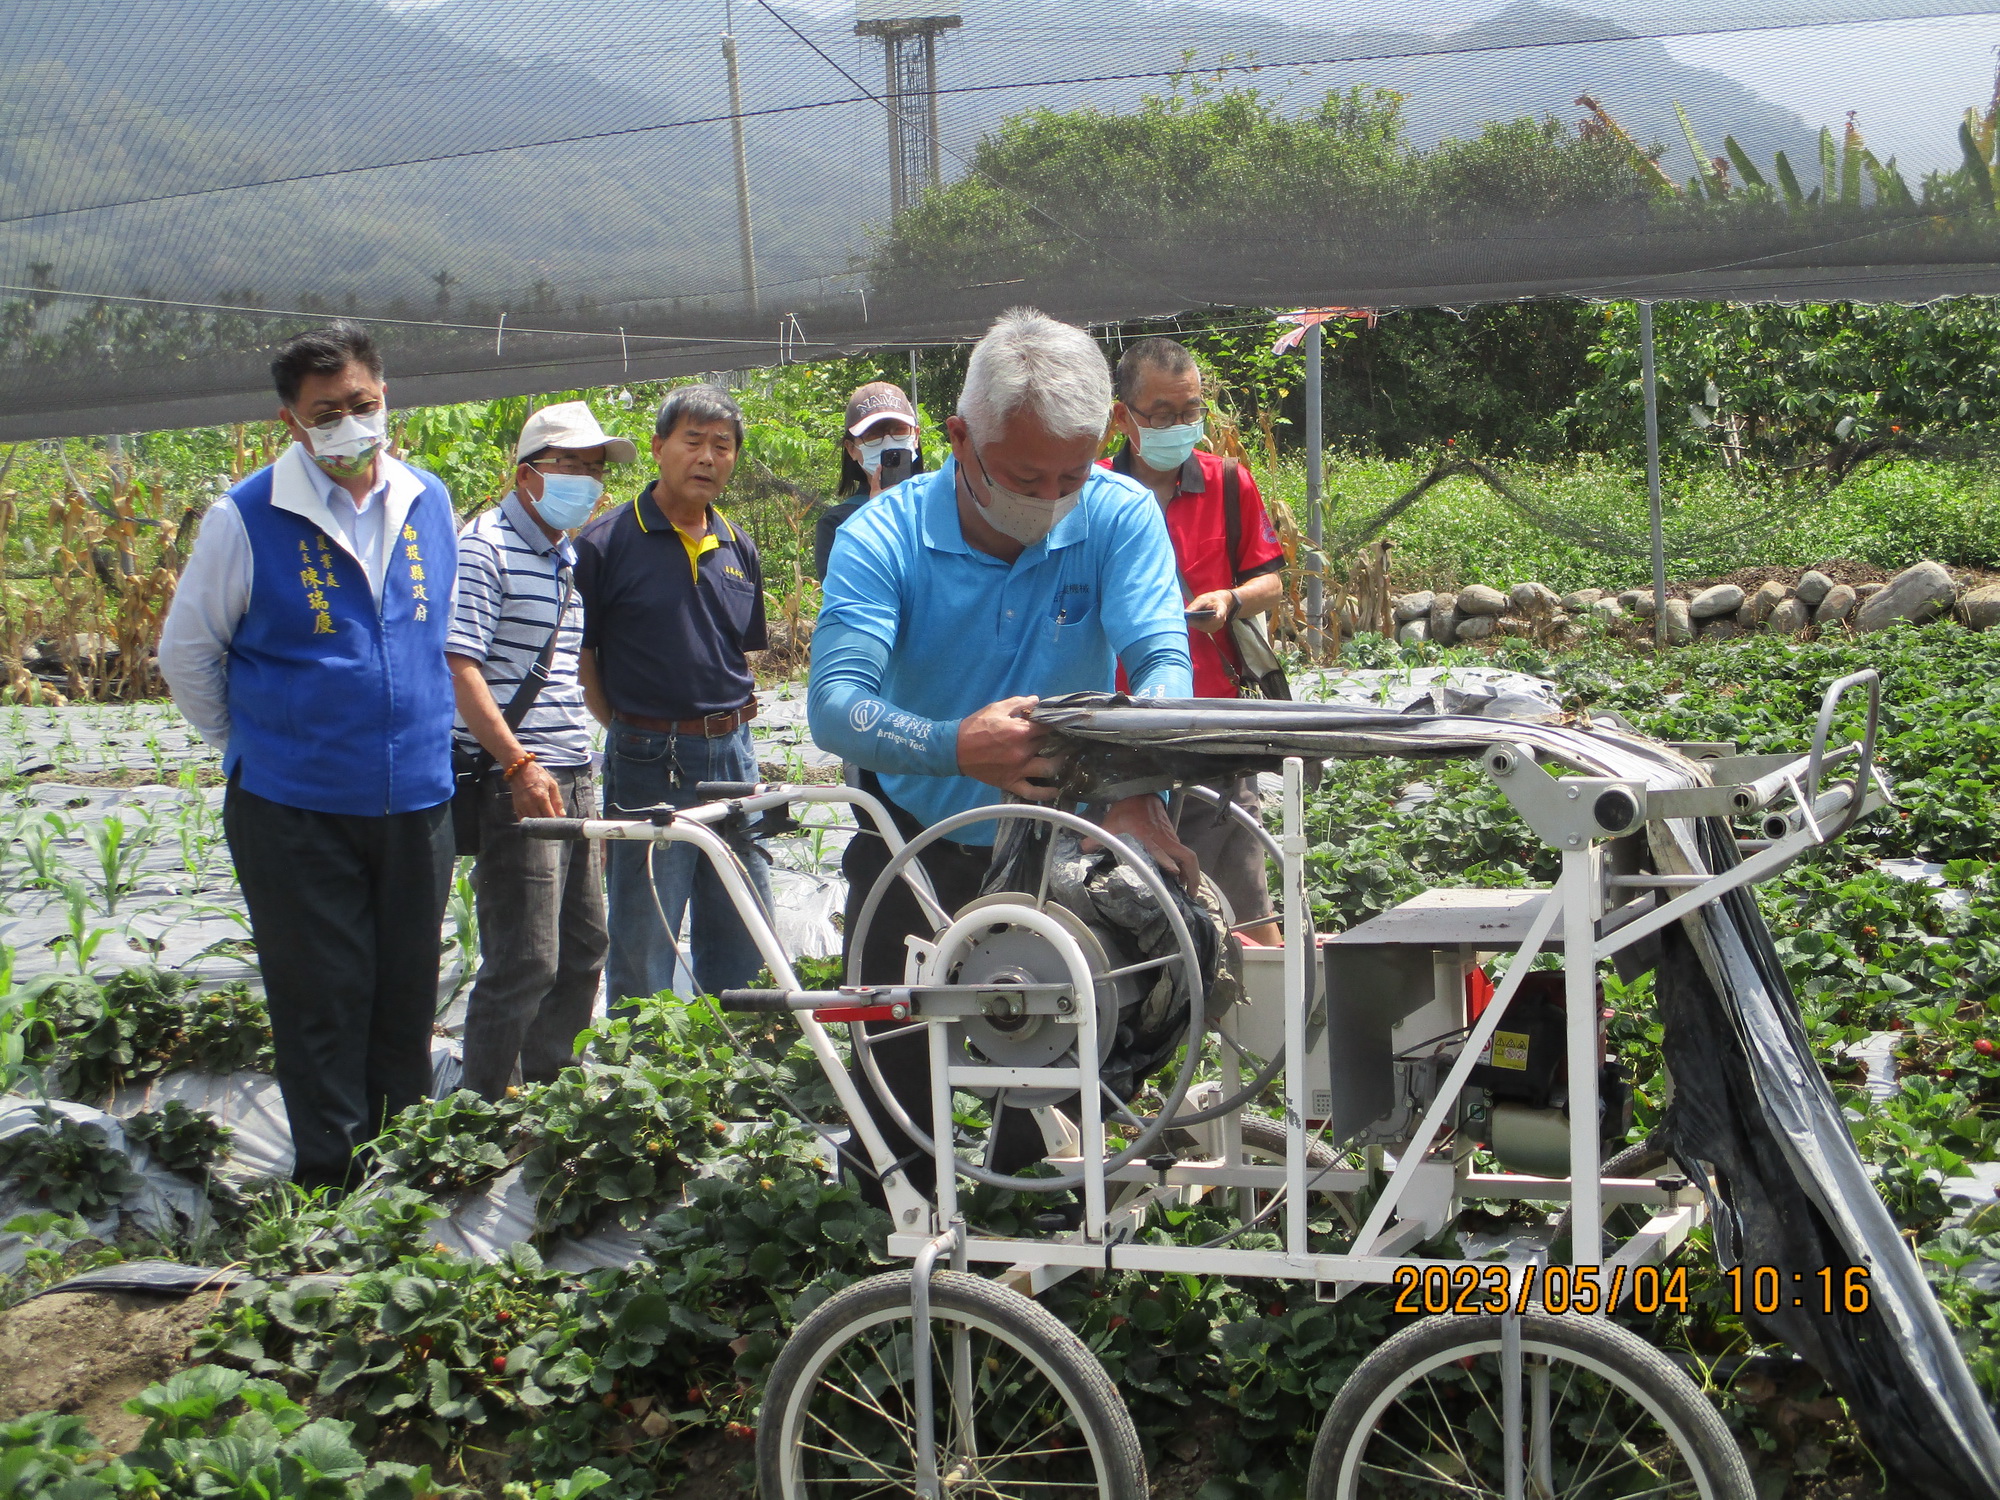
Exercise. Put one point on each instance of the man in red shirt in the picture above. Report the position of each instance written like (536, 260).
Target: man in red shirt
(1161, 413)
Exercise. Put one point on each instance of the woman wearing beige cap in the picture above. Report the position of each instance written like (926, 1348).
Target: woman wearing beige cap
(879, 449)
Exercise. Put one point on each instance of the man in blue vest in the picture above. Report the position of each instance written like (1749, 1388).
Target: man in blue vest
(306, 640)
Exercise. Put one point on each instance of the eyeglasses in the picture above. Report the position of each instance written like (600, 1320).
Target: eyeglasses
(1184, 418)
(568, 465)
(326, 421)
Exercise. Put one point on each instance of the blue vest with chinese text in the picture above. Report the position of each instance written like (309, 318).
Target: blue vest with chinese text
(335, 705)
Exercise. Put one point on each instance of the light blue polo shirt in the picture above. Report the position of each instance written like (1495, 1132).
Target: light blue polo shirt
(965, 629)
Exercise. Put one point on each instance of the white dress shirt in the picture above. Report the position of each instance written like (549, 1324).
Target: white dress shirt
(214, 590)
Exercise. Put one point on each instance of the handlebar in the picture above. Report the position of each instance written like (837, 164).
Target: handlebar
(552, 828)
(709, 791)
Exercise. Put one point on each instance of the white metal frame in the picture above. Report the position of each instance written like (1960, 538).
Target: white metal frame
(1422, 1193)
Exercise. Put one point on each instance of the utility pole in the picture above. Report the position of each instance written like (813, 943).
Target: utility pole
(908, 31)
(1315, 483)
(747, 244)
(1647, 376)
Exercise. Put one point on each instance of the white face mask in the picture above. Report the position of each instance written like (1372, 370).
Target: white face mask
(351, 436)
(1025, 518)
(873, 448)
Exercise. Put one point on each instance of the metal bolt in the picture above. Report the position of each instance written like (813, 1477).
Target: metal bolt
(1575, 839)
(909, 1216)
(1064, 1005)
(1570, 792)
(898, 1012)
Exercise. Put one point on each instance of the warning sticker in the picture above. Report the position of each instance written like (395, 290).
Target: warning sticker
(1509, 1049)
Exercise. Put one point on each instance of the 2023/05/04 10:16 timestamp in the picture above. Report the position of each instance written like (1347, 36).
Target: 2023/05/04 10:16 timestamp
(1588, 1290)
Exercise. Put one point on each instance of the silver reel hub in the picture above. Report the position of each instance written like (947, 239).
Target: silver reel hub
(1004, 1035)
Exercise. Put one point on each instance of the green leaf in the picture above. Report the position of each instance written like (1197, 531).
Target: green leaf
(1745, 168)
(647, 1318)
(1974, 168)
(326, 1446)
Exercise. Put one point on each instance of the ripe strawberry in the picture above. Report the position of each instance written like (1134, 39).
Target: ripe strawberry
(1983, 1047)
(500, 1363)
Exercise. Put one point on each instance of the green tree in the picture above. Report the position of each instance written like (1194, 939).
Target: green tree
(1804, 395)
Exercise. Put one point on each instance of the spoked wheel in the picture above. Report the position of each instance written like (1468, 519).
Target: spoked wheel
(1022, 1408)
(1265, 1144)
(1603, 1416)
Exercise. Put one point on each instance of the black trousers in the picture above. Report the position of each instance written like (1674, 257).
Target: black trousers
(956, 871)
(346, 912)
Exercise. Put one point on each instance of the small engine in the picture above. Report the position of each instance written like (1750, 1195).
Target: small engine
(1524, 1074)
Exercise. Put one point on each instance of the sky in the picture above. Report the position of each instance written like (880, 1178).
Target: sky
(1909, 81)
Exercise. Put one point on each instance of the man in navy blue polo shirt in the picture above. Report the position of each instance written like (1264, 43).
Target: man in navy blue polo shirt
(953, 603)
(673, 596)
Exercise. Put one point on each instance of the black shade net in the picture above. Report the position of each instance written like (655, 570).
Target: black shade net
(539, 197)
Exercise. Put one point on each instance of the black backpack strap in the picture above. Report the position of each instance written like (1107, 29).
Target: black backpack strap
(1232, 511)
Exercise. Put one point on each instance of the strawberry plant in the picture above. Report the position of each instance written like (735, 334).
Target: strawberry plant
(189, 1141)
(69, 1165)
(87, 1040)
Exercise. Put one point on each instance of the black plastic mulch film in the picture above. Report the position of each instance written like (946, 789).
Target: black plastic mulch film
(543, 196)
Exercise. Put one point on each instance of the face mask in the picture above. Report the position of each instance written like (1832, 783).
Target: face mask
(1166, 448)
(348, 447)
(1025, 518)
(872, 450)
(567, 499)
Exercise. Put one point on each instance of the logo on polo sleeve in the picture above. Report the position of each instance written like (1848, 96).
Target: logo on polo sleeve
(866, 714)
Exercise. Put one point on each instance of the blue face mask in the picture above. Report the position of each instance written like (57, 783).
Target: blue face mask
(567, 499)
(1166, 448)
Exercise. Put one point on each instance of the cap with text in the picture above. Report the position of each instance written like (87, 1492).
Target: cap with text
(876, 403)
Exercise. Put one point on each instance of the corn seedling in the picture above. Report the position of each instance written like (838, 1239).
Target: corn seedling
(119, 852)
(82, 940)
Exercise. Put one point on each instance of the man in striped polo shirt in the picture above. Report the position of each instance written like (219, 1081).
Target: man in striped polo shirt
(540, 901)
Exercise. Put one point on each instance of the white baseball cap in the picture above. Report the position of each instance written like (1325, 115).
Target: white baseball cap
(571, 425)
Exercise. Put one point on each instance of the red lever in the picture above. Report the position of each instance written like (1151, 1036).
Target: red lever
(864, 1013)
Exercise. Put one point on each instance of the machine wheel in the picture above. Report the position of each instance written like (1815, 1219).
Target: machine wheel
(1603, 1414)
(1264, 1143)
(1642, 1159)
(1022, 1407)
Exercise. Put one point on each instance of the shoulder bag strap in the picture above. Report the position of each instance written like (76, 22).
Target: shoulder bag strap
(538, 672)
(1232, 510)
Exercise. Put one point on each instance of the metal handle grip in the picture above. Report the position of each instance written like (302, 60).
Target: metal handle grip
(552, 828)
(758, 1000)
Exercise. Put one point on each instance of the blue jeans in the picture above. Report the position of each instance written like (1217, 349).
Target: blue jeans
(644, 769)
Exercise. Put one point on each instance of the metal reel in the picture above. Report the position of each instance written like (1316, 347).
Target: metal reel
(865, 1042)
(1008, 954)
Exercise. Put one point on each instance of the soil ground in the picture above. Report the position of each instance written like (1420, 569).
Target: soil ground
(88, 1353)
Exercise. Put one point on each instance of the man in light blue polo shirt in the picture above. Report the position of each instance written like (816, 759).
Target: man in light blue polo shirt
(957, 600)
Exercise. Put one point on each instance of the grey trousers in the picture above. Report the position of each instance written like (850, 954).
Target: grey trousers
(540, 904)
(1230, 854)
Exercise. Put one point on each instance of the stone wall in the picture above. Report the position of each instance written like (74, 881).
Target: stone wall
(1811, 604)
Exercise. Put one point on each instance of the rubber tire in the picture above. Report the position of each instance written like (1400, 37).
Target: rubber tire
(1262, 1133)
(1092, 1399)
(1709, 1447)
(1640, 1159)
